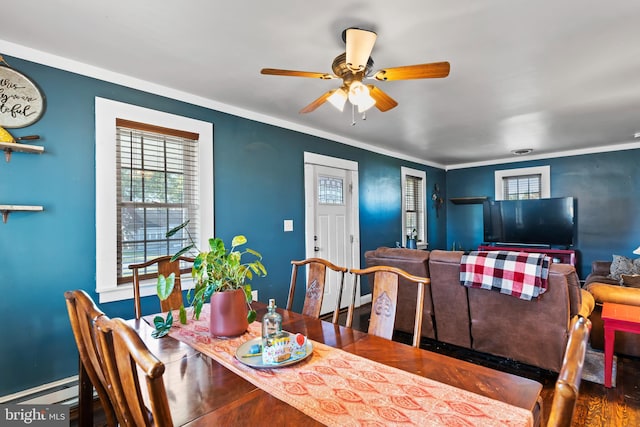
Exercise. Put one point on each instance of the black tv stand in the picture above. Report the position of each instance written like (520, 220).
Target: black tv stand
(564, 256)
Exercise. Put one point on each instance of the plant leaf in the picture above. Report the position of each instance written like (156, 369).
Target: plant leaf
(162, 326)
(183, 315)
(238, 241)
(261, 268)
(165, 286)
(197, 308)
(182, 252)
(216, 245)
(159, 333)
(252, 252)
(174, 230)
(158, 322)
(251, 316)
(247, 292)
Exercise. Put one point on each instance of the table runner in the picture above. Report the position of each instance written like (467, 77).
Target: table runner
(338, 388)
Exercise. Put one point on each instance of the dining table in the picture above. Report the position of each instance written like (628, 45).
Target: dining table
(204, 390)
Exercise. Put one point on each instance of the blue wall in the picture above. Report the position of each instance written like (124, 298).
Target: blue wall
(606, 187)
(258, 184)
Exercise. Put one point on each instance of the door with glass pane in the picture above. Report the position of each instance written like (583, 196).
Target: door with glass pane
(331, 229)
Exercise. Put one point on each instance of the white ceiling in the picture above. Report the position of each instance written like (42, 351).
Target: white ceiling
(553, 76)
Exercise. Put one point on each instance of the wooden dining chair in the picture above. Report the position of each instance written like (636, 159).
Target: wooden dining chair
(316, 279)
(165, 267)
(568, 382)
(385, 298)
(126, 359)
(82, 313)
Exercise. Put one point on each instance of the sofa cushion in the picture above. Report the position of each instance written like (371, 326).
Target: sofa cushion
(631, 280)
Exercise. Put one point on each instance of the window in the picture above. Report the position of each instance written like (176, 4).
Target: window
(521, 187)
(142, 157)
(523, 183)
(157, 190)
(330, 190)
(414, 217)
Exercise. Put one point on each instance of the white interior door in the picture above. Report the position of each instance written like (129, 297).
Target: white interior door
(331, 223)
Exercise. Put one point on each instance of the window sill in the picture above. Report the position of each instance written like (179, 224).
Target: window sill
(147, 288)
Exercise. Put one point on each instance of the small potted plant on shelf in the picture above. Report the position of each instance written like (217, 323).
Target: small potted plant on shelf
(412, 239)
(220, 276)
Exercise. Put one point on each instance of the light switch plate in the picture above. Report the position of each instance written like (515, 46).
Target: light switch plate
(288, 225)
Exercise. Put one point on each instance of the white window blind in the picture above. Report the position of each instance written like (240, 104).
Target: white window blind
(414, 206)
(157, 189)
(522, 187)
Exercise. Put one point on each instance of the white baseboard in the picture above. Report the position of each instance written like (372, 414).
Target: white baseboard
(365, 299)
(53, 392)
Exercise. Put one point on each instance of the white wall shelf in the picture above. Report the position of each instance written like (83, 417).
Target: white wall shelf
(6, 209)
(10, 147)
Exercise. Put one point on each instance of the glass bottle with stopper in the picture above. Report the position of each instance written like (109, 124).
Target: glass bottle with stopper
(275, 342)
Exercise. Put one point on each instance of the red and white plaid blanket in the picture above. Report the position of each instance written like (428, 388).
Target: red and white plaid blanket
(520, 274)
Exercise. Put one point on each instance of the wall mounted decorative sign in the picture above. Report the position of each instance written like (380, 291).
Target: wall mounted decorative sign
(21, 101)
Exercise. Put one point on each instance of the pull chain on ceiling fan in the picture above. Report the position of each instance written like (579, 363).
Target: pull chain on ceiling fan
(355, 65)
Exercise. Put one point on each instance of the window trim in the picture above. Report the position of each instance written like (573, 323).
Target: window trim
(106, 112)
(422, 235)
(543, 171)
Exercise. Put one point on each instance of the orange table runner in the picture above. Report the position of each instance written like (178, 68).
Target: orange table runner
(342, 389)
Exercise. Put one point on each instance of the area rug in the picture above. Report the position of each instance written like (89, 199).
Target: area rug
(593, 368)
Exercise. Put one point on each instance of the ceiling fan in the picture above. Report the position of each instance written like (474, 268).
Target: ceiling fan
(355, 65)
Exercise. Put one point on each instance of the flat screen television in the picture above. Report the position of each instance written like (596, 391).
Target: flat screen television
(530, 222)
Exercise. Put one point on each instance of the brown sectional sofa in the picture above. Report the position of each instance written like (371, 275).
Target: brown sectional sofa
(533, 332)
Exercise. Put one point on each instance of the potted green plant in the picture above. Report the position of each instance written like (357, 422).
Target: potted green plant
(221, 277)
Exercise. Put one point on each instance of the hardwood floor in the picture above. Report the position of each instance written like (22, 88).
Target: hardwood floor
(596, 406)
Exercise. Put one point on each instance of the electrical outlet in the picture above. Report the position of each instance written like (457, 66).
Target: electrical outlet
(288, 225)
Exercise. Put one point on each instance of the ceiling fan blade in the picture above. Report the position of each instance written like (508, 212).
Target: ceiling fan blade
(318, 102)
(383, 101)
(420, 71)
(293, 73)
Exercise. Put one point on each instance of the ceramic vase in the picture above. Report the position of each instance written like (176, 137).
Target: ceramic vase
(228, 315)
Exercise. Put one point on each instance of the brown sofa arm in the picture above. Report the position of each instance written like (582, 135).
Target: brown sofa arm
(601, 268)
(587, 305)
(603, 292)
(600, 271)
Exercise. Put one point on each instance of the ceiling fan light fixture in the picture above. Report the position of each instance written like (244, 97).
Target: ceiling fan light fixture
(338, 98)
(356, 92)
(366, 102)
(359, 96)
(359, 45)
